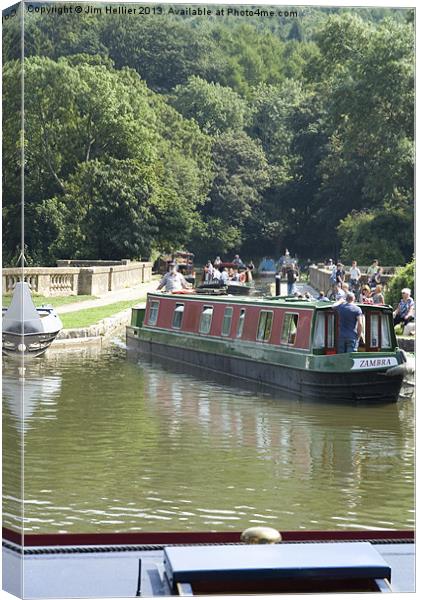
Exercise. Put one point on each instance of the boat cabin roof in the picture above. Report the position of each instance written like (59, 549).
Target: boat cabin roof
(273, 301)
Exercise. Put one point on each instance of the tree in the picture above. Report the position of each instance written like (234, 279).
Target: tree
(164, 51)
(387, 236)
(215, 108)
(403, 277)
(85, 121)
(241, 175)
(368, 74)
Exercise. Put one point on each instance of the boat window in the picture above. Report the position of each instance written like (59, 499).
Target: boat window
(374, 330)
(240, 325)
(226, 323)
(330, 330)
(319, 331)
(153, 313)
(289, 329)
(265, 325)
(178, 315)
(206, 319)
(385, 332)
(324, 331)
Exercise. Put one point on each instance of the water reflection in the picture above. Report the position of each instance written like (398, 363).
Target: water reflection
(30, 396)
(117, 445)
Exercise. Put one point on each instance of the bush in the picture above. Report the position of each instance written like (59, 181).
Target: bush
(404, 277)
(387, 236)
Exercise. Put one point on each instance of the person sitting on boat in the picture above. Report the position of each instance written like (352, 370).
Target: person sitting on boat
(322, 297)
(235, 275)
(350, 324)
(337, 293)
(242, 275)
(173, 281)
(237, 261)
(404, 312)
(377, 295)
(365, 296)
(217, 262)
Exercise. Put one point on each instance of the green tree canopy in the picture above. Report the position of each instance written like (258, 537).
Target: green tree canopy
(404, 277)
(387, 236)
(215, 108)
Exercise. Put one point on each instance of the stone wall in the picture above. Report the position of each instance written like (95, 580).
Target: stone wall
(77, 280)
(48, 281)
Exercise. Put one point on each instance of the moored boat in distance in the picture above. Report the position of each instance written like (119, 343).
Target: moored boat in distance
(286, 343)
(267, 267)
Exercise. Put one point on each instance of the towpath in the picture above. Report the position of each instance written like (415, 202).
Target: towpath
(132, 293)
(138, 291)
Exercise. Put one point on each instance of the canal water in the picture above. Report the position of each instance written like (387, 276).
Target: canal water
(114, 444)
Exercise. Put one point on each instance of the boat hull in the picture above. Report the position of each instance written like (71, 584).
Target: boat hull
(364, 387)
(16, 344)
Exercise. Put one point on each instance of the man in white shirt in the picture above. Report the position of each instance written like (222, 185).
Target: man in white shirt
(224, 276)
(216, 275)
(173, 281)
(354, 275)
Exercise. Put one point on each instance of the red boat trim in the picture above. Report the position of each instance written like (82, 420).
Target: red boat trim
(197, 537)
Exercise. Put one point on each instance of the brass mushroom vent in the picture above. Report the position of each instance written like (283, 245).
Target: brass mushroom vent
(261, 535)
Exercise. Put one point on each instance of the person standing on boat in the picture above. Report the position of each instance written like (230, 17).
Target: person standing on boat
(173, 281)
(350, 324)
(223, 280)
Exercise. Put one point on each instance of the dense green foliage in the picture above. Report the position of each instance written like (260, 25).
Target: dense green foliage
(221, 135)
(404, 277)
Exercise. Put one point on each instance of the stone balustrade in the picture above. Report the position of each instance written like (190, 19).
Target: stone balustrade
(92, 278)
(320, 274)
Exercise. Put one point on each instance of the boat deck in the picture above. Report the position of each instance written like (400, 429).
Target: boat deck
(110, 571)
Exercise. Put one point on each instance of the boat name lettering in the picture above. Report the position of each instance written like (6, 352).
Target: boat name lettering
(370, 363)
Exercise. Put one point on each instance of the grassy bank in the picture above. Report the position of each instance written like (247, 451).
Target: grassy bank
(52, 300)
(90, 316)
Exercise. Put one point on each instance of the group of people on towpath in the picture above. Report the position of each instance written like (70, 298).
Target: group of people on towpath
(337, 276)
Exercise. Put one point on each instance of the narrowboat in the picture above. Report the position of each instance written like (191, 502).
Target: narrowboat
(158, 564)
(286, 343)
(28, 330)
